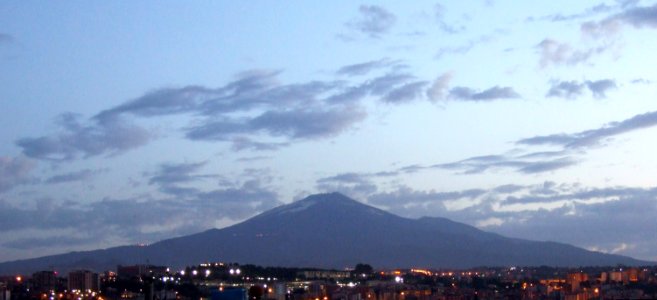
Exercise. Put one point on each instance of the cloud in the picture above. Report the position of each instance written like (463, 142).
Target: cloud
(632, 15)
(366, 67)
(355, 185)
(257, 106)
(406, 93)
(602, 218)
(526, 164)
(600, 87)
(439, 15)
(439, 86)
(493, 93)
(14, 171)
(404, 198)
(142, 220)
(566, 89)
(589, 12)
(293, 124)
(594, 137)
(81, 175)
(97, 137)
(170, 176)
(244, 143)
(574, 89)
(374, 21)
(556, 53)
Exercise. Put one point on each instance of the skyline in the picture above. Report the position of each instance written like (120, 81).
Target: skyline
(127, 123)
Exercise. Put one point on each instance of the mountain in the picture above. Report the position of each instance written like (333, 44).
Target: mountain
(334, 231)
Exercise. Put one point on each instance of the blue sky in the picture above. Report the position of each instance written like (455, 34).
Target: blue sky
(127, 122)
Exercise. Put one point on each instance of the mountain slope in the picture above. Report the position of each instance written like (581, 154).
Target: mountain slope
(333, 231)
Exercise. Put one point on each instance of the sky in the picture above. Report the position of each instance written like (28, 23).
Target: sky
(126, 122)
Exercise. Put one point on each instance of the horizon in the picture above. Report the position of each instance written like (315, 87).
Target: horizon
(130, 123)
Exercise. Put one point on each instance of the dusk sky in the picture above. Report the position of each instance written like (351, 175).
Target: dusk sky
(128, 122)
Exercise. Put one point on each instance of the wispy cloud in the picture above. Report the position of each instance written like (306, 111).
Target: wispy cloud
(594, 137)
(81, 175)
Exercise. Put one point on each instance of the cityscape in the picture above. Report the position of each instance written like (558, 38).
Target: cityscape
(232, 281)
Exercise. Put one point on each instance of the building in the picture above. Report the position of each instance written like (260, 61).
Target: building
(83, 280)
(5, 294)
(140, 270)
(44, 281)
(323, 274)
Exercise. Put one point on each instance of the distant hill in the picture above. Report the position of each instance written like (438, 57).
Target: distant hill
(334, 231)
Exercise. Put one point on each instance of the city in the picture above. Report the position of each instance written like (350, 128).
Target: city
(232, 281)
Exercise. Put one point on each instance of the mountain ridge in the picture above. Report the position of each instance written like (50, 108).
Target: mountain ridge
(333, 231)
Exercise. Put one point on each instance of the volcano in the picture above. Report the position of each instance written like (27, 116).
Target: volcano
(334, 231)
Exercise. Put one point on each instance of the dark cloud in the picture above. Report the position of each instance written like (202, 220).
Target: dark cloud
(573, 89)
(307, 123)
(632, 15)
(493, 93)
(566, 89)
(292, 124)
(640, 16)
(374, 21)
(72, 176)
(170, 176)
(257, 105)
(594, 137)
(599, 88)
(14, 171)
(97, 137)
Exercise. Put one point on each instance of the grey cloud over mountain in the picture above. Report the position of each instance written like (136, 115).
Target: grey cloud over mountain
(574, 89)
(606, 217)
(142, 220)
(373, 21)
(14, 171)
(594, 137)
